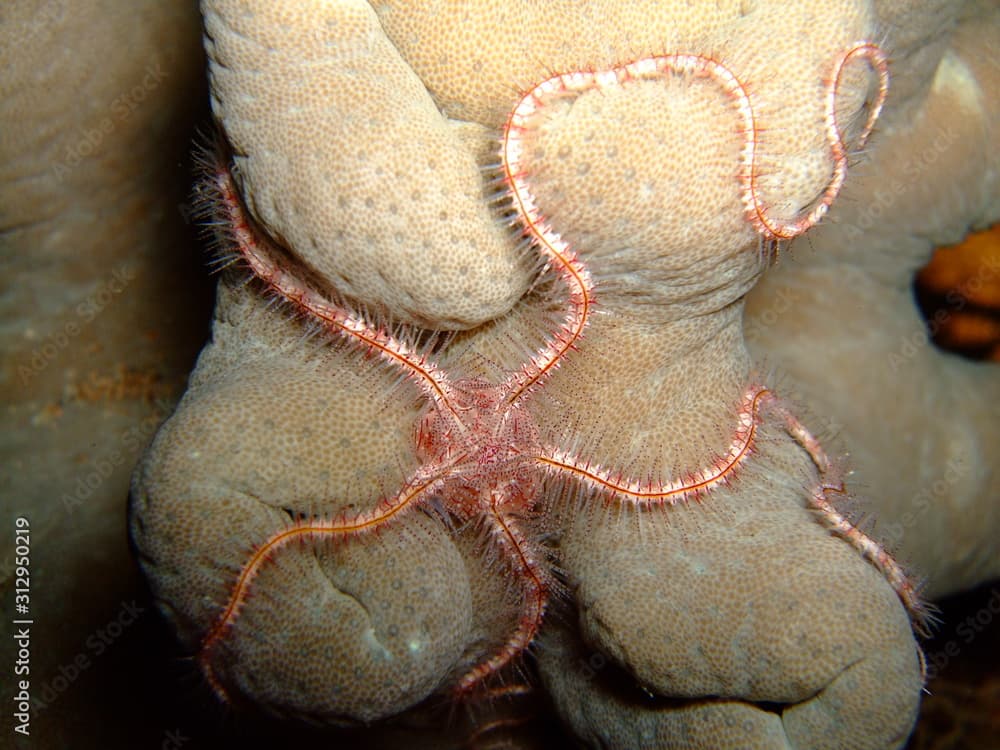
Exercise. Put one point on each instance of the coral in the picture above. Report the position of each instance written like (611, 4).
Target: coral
(850, 334)
(242, 552)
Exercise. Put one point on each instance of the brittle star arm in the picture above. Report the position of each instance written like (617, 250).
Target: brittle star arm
(777, 229)
(701, 66)
(670, 491)
(425, 479)
(259, 255)
(830, 482)
(555, 247)
(504, 530)
(551, 244)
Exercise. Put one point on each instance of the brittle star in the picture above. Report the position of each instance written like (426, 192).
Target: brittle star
(481, 455)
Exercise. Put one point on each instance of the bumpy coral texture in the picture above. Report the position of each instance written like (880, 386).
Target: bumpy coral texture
(363, 137)
(292, 95)
(844, 327)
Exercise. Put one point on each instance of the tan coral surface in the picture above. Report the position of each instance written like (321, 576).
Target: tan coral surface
(669, 331)
(671, 260)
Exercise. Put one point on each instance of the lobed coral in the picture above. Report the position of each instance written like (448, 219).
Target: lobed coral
(648, 183)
